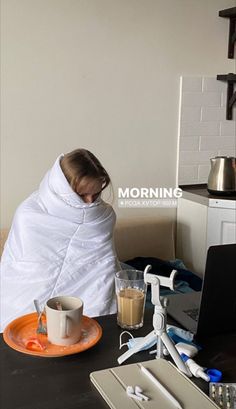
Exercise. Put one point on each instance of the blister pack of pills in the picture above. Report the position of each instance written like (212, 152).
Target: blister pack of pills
(223, 394)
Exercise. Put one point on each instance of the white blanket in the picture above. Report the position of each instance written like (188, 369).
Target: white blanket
(59, 245)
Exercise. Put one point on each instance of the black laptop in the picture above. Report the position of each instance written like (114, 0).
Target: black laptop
(212, 310)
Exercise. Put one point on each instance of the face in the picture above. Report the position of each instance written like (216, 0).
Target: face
(89, 189)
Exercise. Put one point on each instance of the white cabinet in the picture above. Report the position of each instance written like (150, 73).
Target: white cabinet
(203, 222)
(221, 226)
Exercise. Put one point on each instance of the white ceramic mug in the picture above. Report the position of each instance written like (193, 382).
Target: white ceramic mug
(64, 325)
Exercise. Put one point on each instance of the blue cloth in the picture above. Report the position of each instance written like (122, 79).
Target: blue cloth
(186, 280)
(164, 268)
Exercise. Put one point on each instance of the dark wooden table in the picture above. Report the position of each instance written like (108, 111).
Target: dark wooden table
(28, 382)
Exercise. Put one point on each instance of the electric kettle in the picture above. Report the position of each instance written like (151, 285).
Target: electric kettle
(222, 177)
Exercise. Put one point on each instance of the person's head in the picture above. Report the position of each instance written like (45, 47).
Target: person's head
(85, 174)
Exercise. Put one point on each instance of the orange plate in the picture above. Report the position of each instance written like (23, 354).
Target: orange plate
(21, 329)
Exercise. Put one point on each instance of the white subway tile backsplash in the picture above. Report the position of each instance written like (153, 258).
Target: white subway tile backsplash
(200, 128)
(190, 114)
(199, 99)
(211, 99)
(213, 114)
(223, 100)
(228, 128)
(192, 84)
(220, 142)
(212, 84)
(234, 113)
(203, 172)
(227, 152)
(188, 174)
(191, 99)
(204, 131)
(201, 180)
(196, 158)
(189, 143)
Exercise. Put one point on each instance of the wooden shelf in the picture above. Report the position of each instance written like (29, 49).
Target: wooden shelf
(227, 77)
(231, 15)
(231, 94)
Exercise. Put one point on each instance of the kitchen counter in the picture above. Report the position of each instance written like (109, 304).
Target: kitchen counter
(200, 194)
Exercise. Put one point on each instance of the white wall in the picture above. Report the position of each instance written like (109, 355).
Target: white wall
(104, 75)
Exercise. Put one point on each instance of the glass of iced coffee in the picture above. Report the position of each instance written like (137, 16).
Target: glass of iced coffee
(131, 295)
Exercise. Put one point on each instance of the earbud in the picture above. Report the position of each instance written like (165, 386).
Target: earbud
(130, 392)
(138, 392)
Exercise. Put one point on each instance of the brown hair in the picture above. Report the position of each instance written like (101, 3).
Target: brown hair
(82, 163)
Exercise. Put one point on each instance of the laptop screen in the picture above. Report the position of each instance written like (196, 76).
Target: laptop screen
(213, 310)
(218, 302)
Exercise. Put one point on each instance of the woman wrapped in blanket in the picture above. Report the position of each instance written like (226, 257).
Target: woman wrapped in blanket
(61, 241)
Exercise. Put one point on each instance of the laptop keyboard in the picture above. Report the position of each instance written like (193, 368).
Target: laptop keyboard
(192, 313)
